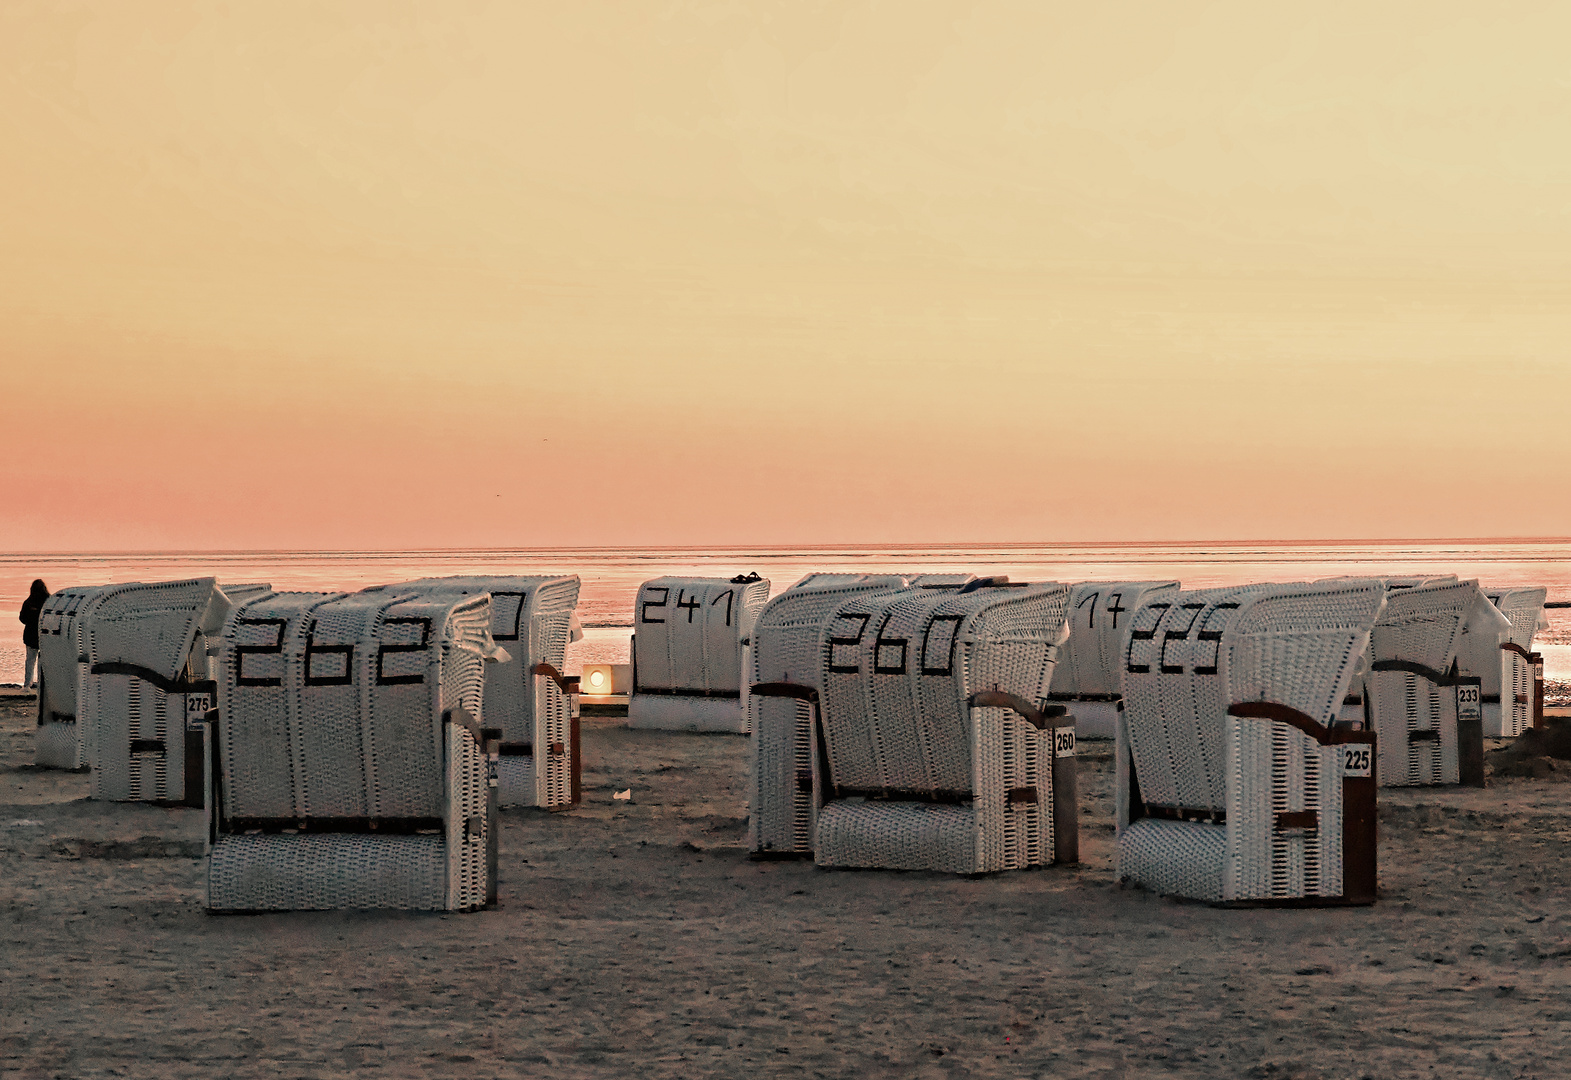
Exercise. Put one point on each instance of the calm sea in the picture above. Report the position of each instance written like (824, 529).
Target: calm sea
(611, 576)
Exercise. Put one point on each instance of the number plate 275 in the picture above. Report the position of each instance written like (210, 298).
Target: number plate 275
(196, 709)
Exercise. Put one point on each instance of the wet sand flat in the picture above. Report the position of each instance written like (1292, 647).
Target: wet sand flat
(637, 939)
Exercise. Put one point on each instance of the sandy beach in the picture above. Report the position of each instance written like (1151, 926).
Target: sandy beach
(637, 939)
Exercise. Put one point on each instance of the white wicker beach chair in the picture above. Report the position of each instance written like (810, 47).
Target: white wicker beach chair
(786, 771)
(1508, 678)
(528, 700)
(688, 643)
(933, 747)
(1425, 713)
(64, 664)
(57, 743)
(1354, 713)
(144, 695)
(349, 767)
(1090, 666)
(1231, 783)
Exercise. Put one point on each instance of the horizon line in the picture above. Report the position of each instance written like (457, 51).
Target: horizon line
(820, 547)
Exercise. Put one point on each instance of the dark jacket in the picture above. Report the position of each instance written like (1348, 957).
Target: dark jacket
(29, 618)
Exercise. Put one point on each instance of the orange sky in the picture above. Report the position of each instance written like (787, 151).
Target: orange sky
(399, 274)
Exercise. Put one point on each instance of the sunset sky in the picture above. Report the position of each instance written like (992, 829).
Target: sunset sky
(383, 275)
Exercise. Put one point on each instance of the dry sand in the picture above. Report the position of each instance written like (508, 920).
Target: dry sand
(639, 940)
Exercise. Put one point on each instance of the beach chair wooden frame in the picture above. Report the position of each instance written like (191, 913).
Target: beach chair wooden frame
(348, 766)
(689, 645)
(1232, 784)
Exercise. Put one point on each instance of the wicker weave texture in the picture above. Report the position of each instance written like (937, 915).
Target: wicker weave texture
(1525, 609)
(467, 824)
(122, 710)
(56, 746)
(61, 650)
(531, 617)
(688, 633)
(1276, 769)
(783, 776)
(515, 774)
(158, 631)
(327, 871)
(1514, 714)
(1175, 858)
(821, 581)
(1190, 657)
(1092, 660)
(988, 834)
(1011, 755)
(552, 771)
(786, 647)
(1425, 624)
(680, 712)
(152, 625)
(1511, 687)
(57, 740)
(898, 670)
(1415, 719)
(1415, 723)
(898, 673)
(897, 836)
(332, 707)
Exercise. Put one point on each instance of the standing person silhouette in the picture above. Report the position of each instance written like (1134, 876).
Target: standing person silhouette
(29, 619)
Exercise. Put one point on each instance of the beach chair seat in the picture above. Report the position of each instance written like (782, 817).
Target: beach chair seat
(1232, 785)
(348, 763)
(144, 690)
(1425, 712)
(689, 639)
(529, 700)
(1086, 677)
(934, 749)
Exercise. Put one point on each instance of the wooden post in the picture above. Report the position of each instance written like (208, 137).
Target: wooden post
(1360, 838)
(1470, 731)
(1537, 660)
(493, 815)
(1066, 792)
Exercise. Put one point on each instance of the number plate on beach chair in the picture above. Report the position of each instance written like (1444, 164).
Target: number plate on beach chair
(1355, 759)
(1468, 703)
